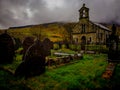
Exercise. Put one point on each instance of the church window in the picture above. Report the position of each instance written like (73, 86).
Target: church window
(100, 35)
(83, 28)
(76, 40)
(90, 39)
(84, 13)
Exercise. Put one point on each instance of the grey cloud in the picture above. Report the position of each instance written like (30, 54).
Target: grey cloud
(104, 10)
(26, 12)
(10, 9)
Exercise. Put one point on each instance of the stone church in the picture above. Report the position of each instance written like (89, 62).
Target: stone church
(88, 32)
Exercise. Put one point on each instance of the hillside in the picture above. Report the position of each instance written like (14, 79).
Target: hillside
(54, 31)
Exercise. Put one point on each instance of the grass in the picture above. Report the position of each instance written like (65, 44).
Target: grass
(55, 32)
(115, 81)
(76, 76)
(84, 74)
(64, 50)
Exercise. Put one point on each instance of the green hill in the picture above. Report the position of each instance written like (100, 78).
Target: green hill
(54, 31)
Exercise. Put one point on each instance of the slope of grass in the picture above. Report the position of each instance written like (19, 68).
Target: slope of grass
(54, 31)
(84, 74)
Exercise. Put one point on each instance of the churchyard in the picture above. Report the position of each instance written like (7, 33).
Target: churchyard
(84, 73)
(44, 65)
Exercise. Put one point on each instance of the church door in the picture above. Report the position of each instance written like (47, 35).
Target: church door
(83, 42)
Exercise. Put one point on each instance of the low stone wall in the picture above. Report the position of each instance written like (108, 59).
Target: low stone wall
(62, 59)
(90, 52)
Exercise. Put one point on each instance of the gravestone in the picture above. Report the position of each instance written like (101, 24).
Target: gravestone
(34, 60)
(48, 45)
(113, 54)
(7, 50)
(28, 41)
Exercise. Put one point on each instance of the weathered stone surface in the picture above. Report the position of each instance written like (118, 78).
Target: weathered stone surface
(47, 45)
(34, 59)
(6, 48)
(28, 41)
(32, 67)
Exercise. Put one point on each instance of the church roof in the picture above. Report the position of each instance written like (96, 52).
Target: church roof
(101, 26)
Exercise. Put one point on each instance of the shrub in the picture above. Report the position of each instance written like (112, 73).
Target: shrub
(56, 46)
(64, 46)
(78, 47)
(72, 47)
(104, 49)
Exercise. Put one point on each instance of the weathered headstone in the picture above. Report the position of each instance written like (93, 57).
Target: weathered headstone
(48, 45)
(28, 41)
(34, 60)
(6, 48)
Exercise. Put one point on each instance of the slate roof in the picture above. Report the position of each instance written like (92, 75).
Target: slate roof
(101, 26)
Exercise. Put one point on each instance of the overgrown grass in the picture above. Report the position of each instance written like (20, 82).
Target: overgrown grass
(98, 48)
(14, 65)
(115, 81)
(64, 50)
(84, 74)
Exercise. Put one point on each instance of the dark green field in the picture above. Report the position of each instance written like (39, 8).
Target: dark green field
(85, 74)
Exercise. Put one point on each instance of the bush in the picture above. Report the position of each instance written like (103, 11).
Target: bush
(98, 48)
(72, 47)
(104, 49)
(19, 51)
(93, 47)
(56, 46)
(64, 46)
(78, 47)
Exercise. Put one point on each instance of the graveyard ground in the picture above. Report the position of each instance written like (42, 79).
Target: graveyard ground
(83, 74)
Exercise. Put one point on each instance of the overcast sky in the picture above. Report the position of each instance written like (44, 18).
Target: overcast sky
(27, 12)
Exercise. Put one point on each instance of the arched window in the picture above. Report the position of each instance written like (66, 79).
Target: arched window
(83, 28)
(90, 39)
(84, 13)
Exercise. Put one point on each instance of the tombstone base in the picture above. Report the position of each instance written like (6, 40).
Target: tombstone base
(33, 67)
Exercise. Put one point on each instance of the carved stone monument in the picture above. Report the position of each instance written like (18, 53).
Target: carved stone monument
(48, 45)
(28, 41)
(34, 60)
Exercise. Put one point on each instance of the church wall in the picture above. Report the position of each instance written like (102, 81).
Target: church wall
(102, 35)
(93, 33)
(90, 38)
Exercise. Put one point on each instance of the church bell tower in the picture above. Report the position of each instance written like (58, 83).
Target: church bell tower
(84, 13)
